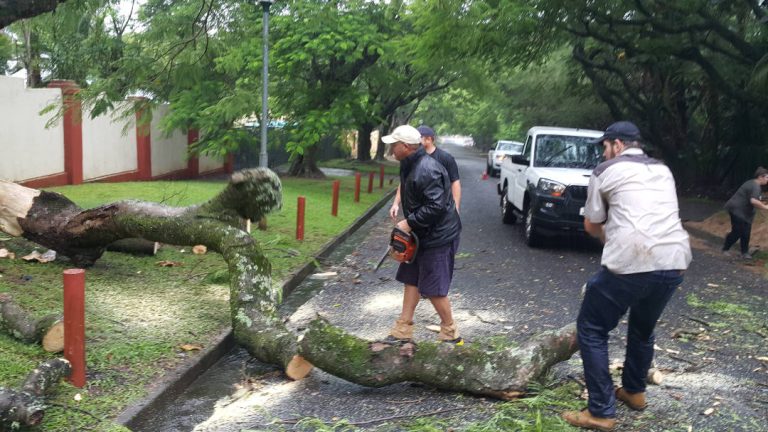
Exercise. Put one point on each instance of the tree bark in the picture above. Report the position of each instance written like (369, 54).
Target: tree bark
(505, 373)
(306, 165)
(26, 406)
(14, 10)
(364, 142)
(502, 373)
(20, 324)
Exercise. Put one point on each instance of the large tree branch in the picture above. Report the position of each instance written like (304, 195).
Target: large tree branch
(14, 10)
(55, 221)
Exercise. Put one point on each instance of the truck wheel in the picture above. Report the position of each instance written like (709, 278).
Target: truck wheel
(507, 215)
(530, 234)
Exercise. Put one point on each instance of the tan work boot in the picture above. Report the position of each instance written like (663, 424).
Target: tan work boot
(403, 330)
(586, 420)
(636, 401)
(450, 334)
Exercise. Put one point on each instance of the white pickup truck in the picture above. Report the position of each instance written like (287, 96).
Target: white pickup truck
(502, 149)
(546, 185)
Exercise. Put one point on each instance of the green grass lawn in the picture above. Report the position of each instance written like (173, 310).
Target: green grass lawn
(139, 314)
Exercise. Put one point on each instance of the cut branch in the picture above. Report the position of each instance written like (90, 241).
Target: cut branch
(17, 322)
(26, 406)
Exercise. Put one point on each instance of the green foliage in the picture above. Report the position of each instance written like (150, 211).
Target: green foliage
(6, 52)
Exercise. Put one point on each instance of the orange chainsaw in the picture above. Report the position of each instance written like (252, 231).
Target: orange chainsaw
(402, 247)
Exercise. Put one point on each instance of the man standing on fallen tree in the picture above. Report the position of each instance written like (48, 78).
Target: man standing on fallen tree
(430, 212)
(632, 207)
(446, 160)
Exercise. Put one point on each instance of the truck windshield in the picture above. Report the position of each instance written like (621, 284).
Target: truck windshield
(561, 151)
(510, 146)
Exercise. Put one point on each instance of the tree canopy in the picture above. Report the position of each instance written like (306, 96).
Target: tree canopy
(692, 73)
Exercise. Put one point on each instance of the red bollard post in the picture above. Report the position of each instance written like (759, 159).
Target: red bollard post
(74, 324)
(300, 218)
(381, 176)
(370, 182)
(335, 202)
(357, 187)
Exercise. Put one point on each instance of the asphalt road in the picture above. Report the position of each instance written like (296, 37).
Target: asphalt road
(503, 287)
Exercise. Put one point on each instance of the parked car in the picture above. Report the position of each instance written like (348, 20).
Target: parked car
(546, 185)
(502, 149)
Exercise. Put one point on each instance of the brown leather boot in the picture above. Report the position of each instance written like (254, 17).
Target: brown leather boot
(450, 333)
(636, 401)
(586, 420)
(402, 330)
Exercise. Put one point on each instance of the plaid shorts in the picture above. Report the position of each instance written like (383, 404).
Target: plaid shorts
(431, 271)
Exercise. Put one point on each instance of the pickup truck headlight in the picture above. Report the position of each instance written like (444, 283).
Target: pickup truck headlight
(550, 187)
(500, 157)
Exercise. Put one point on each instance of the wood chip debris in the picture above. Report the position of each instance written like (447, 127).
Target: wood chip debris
(46, 257)
(190, 347)
(199, 250)
(323, 276)
(5, 253)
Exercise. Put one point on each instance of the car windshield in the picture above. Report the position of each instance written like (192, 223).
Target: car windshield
(561, 151)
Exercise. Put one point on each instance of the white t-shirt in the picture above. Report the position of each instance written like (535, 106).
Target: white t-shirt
(635, 196)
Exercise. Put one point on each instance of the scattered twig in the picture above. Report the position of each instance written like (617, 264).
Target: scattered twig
(685, 360)
(700, 321)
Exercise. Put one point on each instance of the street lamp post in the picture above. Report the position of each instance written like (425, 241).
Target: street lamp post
(265, 4)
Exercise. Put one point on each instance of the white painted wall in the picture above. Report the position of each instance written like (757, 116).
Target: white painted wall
(27, 149)
(208, 163)
(107, 150)
(169, 153)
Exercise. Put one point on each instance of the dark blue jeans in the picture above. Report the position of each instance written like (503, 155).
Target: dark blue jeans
(606, 300)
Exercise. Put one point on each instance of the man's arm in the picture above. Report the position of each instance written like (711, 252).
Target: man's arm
(456, 191)
(596, 230)
(395, 205)
(758, 204)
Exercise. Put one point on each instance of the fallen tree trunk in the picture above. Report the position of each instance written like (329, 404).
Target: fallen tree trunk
(55, 222)
(26, 406)
(503, 373)
(48, 330)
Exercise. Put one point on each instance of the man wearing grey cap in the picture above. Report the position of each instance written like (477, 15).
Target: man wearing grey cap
(632, 207)
(445, 159)
(430, 213)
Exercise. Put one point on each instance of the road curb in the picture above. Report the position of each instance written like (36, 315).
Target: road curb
(177, 380)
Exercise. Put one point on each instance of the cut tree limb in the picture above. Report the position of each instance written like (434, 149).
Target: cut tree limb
(57, 223)
(134, 246)
(20, 324)
(26, 406)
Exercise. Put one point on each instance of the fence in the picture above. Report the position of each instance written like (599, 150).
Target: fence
(79, 149)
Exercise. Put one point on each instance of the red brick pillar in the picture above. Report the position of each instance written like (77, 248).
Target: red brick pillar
(73, 130)
(229, 163)
(143, 139)
(193, 163)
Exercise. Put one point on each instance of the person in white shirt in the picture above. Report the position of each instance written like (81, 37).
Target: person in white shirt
(632, 208)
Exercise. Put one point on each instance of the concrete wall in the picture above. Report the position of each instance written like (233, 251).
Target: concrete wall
(208, 164)
(78, 148)
(169, 153)
(29, 149)
(109, 145)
